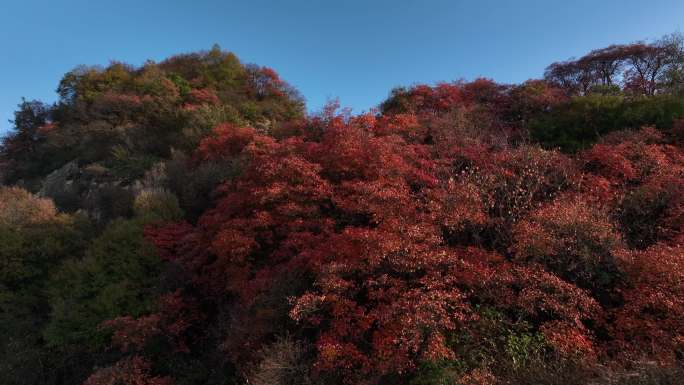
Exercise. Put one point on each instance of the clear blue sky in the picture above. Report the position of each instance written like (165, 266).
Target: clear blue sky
(356, 50)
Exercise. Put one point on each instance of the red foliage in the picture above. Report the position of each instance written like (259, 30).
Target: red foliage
(379, 245)
(201, 97)
(536, 96)
(349, 229)
(644, 181)
(346, 209)
(391, 285)
(651, 322)
(227, 142)
(569, 341)
(174, 317)
(610, 162)
(572, 238)
(633, 157)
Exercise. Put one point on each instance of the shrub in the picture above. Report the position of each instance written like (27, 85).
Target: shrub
(573, 239)
(157, 205)
(115, 277)
(283, 362)
(583, 120)
(18, 207)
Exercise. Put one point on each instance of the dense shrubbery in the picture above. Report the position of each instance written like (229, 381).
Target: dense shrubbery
(584, 119)
(205, 231)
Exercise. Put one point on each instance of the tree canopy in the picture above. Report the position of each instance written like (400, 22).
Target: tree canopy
(186, 222)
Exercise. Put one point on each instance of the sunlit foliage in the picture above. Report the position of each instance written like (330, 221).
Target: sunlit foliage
(184, 222)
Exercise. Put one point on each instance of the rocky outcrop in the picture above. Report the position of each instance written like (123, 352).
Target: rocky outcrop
(60, 180)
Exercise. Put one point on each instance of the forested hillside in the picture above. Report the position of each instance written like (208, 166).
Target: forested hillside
(187, 222)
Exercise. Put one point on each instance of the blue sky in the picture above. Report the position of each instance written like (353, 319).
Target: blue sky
(356, 50)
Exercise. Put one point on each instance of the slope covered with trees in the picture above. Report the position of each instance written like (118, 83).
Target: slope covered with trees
(185, 222)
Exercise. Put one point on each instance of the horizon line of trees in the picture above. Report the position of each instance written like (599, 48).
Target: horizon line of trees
(639, 68)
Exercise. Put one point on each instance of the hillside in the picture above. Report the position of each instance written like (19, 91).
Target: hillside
(187, 222)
